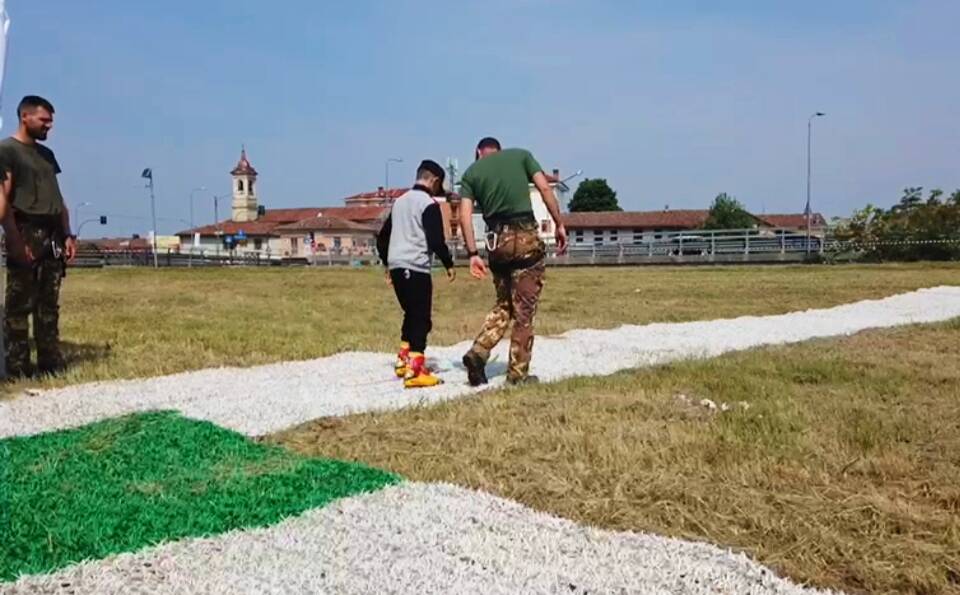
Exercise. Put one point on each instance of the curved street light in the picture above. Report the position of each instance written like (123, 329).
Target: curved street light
(386, 176)
(76, 213)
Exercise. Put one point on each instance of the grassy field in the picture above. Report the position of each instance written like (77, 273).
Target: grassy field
(127, 323)
(842, 471)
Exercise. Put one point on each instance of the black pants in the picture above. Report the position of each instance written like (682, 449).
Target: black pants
(415, 293)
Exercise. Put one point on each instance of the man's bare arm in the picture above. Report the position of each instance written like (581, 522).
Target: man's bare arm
(16, 248)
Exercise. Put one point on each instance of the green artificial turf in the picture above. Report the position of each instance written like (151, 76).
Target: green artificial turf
(127, 483)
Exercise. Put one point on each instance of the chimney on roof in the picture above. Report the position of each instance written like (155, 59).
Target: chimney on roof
(380, 191)
(556, 174)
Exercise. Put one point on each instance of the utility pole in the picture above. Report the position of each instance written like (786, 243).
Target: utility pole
(807, 211)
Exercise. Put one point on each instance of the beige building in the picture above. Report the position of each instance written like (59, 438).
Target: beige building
(326, 235)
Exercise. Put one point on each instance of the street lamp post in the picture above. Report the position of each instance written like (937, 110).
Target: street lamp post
(77, 213)
(148, 175)
(192, 193)
(386, 168)
(807, 212)
(216, 216)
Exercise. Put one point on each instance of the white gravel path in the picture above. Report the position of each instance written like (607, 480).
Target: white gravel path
(419, 538)
(265, 399)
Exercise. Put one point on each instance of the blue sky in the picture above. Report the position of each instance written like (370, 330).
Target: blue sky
(671, 101)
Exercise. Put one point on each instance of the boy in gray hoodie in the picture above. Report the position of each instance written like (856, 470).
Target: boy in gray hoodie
(411, 234)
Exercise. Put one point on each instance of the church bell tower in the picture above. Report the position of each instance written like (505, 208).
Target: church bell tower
(244, 190)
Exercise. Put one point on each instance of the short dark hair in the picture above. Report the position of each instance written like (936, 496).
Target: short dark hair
(32, 102)
(431, 167)
(488, 143)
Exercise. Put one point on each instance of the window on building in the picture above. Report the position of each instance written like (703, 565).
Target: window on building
(250, 188)
(598, 236)
(239, 185)
(337, 242)
(578, 236)
(637, 236)
(258, 244)
(294, 246)
(614, 237)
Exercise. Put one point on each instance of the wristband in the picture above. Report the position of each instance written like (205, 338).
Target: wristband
(473, 254)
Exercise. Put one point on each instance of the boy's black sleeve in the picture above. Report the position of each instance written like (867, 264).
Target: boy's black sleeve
(436, 242)
(383, 239)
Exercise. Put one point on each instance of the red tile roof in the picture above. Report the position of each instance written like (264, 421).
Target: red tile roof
(794, 221)
(680, 219)
(283, 216)
(380, 193)
(325, 223)
(274, 218)
(359, 214)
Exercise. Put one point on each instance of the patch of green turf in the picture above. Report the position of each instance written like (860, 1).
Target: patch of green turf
(127, 483)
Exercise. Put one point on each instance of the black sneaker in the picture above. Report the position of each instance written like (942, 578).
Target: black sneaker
(476, 369)
(523, 381)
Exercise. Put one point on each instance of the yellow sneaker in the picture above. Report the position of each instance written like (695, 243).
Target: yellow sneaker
(418, 375)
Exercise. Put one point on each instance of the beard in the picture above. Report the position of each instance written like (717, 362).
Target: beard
(38, 133)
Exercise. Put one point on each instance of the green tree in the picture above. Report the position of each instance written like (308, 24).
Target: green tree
(726, 212)
(593, 196)
(913, 229)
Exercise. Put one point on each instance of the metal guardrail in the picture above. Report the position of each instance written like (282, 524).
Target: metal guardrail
(692, 247)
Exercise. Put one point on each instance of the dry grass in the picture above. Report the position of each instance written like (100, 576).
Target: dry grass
(127, 323)
(842, 472)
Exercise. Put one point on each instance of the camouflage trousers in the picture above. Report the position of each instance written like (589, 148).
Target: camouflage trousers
(518, 267)
(34, 291)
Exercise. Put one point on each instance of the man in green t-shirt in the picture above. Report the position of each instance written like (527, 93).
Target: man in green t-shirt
(499, 183)
(38, 240)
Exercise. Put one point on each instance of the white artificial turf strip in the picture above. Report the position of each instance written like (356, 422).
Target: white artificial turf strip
(419, 538)
(265, 399)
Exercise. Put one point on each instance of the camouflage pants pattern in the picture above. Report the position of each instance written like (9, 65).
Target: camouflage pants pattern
(33, 292)
(518, 267)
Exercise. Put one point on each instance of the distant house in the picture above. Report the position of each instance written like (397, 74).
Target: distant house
(638, 227)
(629, 227)
(326, 235)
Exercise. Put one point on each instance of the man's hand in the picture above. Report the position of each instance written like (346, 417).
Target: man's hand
(19, 252)
(452, 274)
(478, 268)
(386, 275)
(561, 236)
(70, 247)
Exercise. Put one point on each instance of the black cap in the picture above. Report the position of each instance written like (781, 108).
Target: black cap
(434, 168)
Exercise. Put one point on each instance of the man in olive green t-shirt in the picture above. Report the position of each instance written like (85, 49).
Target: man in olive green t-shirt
(499, 183)
(38, 239)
